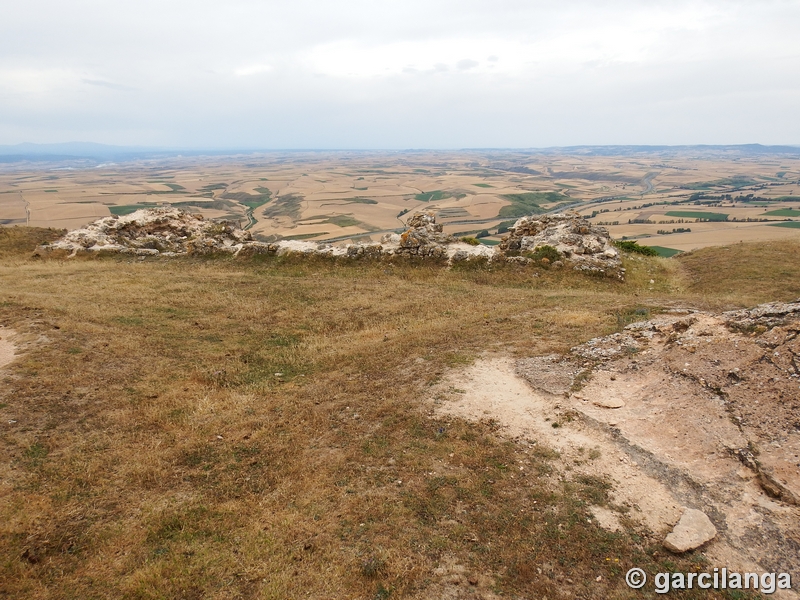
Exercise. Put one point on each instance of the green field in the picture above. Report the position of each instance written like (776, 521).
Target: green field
(431, 196)
(696, 214)
(483, 185)
(783, 212)
(356, 200)
(666, 252)
(527, 203)
(126, 209)
(304, 236)
(789, 224)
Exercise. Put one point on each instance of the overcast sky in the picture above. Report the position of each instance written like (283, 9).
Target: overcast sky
(399, 74)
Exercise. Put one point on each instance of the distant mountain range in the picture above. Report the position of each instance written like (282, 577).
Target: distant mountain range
(74, 151)
(91, 152)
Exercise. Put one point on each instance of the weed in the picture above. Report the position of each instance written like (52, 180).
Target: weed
(35, 455)
(544, 252)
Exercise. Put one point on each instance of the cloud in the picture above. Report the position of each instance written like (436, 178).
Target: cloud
(107, 84)
(400, 73)
(252, 70)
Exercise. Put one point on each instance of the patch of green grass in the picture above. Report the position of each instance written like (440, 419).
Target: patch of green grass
(783, 212)
(252, 201)
(734, 182)
(339, 221)
(35, 455)
(666, 252)
(343, 221)
(697, 214)
(214, 186)
(482, 185)
(50, 191)
(527, 203)
(432, 196)
(216, 204)
(787, 224)
(356, 200)
(305, 236)
(285, 206)
(126, 209)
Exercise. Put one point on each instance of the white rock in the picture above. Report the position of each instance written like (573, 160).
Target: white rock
(692, 531)
(609, 402)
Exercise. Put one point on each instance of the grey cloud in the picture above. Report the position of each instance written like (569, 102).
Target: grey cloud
(556, 72)
(107, 84)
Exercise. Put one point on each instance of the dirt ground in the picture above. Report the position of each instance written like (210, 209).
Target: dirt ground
(689, 410)
(7, 348)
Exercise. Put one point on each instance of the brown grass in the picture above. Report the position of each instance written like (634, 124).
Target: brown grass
(19, 241)
(744, 274)
(192, 429)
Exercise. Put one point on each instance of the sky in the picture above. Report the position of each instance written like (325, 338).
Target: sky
(385, 74)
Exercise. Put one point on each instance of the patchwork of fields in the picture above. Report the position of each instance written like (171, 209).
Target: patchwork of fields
(677, 201)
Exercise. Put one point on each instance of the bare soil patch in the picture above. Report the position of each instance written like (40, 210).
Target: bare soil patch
(7, 347)
(692, 410)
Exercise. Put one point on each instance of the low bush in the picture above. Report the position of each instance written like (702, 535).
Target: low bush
(631, 246)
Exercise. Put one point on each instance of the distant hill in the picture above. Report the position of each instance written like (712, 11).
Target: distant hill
(625, 150)
(73, 151)
(90, 151)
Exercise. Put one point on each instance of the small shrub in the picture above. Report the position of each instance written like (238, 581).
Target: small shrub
(471, 241)
(542, 252)
(631, 246)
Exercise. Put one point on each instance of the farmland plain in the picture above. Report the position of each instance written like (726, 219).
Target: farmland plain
(679, 200)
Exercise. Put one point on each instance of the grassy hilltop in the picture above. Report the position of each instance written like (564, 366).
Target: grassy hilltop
(224, 428)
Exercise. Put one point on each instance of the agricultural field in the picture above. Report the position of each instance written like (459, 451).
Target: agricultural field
(677, 200)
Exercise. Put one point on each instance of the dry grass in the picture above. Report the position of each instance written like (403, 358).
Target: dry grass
(744, 274)
(19, 241)
(192, 429)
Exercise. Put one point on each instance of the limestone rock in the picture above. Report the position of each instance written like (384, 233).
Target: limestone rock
(608, 402)
(692, 531)
(584, 246)
(169, 231)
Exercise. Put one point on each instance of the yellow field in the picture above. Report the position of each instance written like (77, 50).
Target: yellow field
(360, 196)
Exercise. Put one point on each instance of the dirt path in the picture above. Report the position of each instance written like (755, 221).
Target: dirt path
(661, 454)
(7, 348)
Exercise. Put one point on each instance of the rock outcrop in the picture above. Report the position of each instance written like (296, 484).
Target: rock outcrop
(166, 231)
(583, 246)
(692, 531)
(424, 237)
(170, 232)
